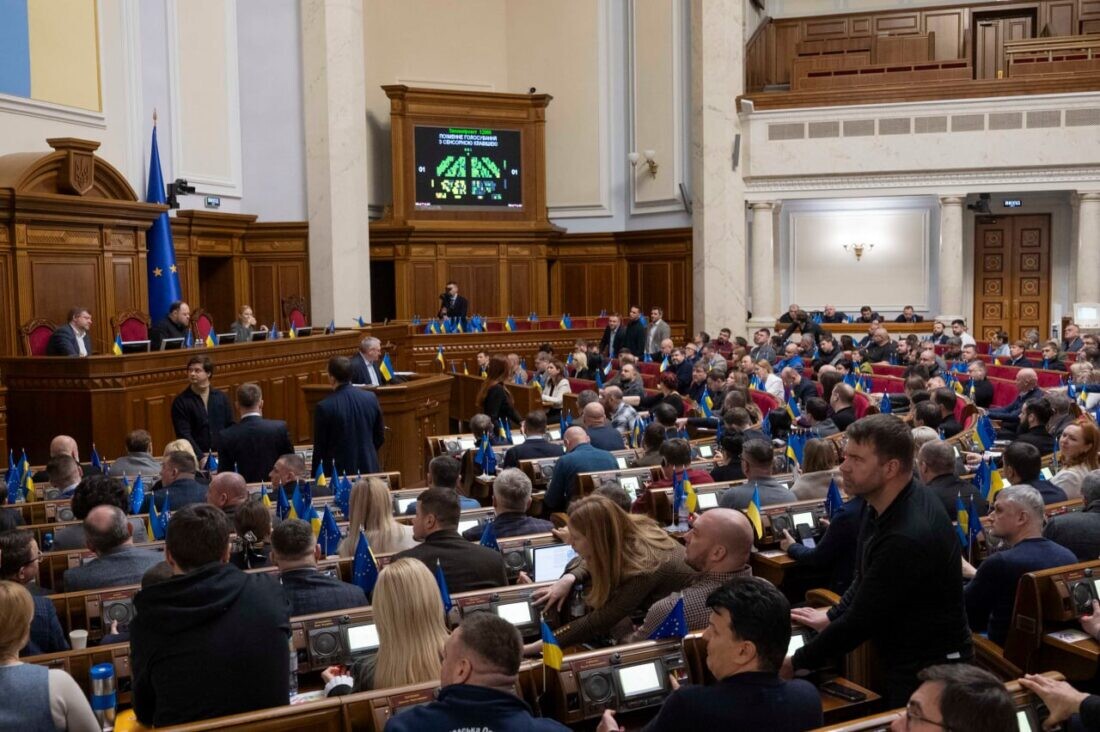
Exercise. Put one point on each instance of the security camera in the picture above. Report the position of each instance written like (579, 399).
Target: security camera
(178, 187)
(982, 206)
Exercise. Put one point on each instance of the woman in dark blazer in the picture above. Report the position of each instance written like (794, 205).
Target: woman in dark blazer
(493, 399)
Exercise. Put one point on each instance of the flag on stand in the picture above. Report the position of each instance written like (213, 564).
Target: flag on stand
(164, 281)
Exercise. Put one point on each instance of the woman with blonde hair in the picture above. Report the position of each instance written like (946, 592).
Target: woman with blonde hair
(818, 470)
(245, 325)
(1077, 454)
(408, 615)
(180, 446)
(370, 509)
(626, 562)
(34, 697)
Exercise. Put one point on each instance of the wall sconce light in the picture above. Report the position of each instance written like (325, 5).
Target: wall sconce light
(650, 162)
(858, 249)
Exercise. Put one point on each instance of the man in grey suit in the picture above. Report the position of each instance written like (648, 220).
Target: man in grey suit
(657, 331)
(138, 459)
(756, 463)
(118, 562)
(1080, 532)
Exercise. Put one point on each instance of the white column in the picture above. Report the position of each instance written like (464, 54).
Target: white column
(1088, 247)
(334, 83)
(718, 191)
(951, 258)
(764, 285)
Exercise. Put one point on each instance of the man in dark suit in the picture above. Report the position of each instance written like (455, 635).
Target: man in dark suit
(19, 562)
(347, 426)
(291, 468)
(177, 478)
(200, 412)
(466, 566)
(364, 364)
(936, 466)
(118, 562)
(252, 446)
(634, 337)
(72, 339)
(979, 389)
(909, 316)
(1080, 531)
(453, 305)
(601, 432)
(580, 457)
(1017, 357)
(1022, 463)
(511, 500)
(945, 399)
(535, 444)
(1027, 388)
(174, 325)
(228, 491)
(1034, 417)
(295, 552)
(65, 445)
(613, 336)
(841, 401)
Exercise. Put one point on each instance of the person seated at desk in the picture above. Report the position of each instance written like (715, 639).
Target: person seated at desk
(1034, 416)
(728, 459)
(601, 433)
(493, 398)
(176, 324)
(536, 444)
(228, 491)
(979, 389)
(370, 511)
(295, 551)
(630, 382)
(927, 414)
(936, 469)
(990, 595)
(626, 563)
(290, 470)
(138, 459)
(908, 315)
(757, 465)
(412, 630)
(959, 697)
(945, 399)
(466, 566)
(444, 471)
(72, 339)
(1079, 531)
(580, 457)
(841, 401)
(245, 325)
(652, 438)
(556, 387)
(34, 696)
(118, 562)
(252, 544)
(818, 471)
(20, 560)
(1053, 358)
(179, 487)
(96, 490)
(815, 414)
(747, 636)
(64, 475)
(1027, 388)
(511, 499)
(1077, 454)
(675, 464)
(200, 412)
(65, 445)
(1022, 464)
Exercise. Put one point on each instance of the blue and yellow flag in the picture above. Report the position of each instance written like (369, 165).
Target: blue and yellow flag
(551, 651)
(974, 522)
(754, 513)
(116, 347)
(996, 484)
(674, 625)
(364, 568)
(706, 404)
(510, 324)
(386, 367)
(282, 505)
(211, 339)
(211, 462)
(293, 330)
(962, 521)
(985, 432)
(265, 497)
(566, 322)
(664, 364)
(439, 357)
(360, 322)
(792, 408)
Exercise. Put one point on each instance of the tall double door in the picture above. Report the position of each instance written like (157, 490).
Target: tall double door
(1011, 275)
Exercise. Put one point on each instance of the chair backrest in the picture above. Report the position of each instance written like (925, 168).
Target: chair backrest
(35, 335)
(764, 401)
(1004, 392)
(203, 323)
(294, 311)
(132, 325)
(860, 404)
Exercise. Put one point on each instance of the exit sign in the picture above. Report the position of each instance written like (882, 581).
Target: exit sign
(1013, 203)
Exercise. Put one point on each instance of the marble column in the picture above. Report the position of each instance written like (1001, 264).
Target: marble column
(718, 191)
(950, 273)
(334, 83)
(1087, 264)
(764, 286)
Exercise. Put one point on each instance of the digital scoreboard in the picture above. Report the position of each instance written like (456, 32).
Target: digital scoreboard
(466, 167)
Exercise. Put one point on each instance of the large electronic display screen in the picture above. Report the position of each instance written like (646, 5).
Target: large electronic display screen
(467, 167)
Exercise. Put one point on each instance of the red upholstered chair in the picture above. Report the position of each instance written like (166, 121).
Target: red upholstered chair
(35, 335)
(1004, 392)
(132, 325)
(294, 312)
(203, 323)
(651, 368)
(764, 401)
(860, 404)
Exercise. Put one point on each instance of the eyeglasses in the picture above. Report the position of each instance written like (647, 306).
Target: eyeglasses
(32, 560)
(912, 716)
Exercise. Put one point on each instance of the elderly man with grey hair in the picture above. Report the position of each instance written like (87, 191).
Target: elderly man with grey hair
(118, 562)
(1018, 522)
(364, 364)
(511, 499)
(1080, 531)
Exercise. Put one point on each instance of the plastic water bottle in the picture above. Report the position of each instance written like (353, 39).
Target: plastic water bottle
(47, 541)
(293, 668)
(577, 607)
(103, 694)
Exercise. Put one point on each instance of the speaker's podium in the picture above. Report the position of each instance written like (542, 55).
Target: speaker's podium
(412, 410)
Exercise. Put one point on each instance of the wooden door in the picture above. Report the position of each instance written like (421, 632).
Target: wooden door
(1011, 275)
(990, 34)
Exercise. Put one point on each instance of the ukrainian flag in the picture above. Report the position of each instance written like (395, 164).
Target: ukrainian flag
(754, 513)
(510, 324)
(465, 368)
(116, 347)
(691, 499)
(996, 483)
(551, 651)
(792, 408)
(386, 367)
(265, 498)
(439, 357)
(293, 331)
(664, 364)
(962, 518)
(211, 339)
(566, 322)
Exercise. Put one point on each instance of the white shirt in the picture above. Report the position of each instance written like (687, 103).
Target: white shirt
(967, 339)
(81, 349)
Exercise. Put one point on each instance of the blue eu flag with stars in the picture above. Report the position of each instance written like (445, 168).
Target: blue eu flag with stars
(164, 281)
(675, 624)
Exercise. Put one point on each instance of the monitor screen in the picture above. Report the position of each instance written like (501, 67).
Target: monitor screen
(362, 638)
(226, 338)
(805, 518)
(466, 167)
(645, 678)
(554, 432)
(629, 483)
(621, 462)
(705, 451)
(550, 561)
(404, 503)
(797, 641)
(518, 439)
(171, 344)
(466, 443)
(706, 500)
(516, 613)
(467, 524)
(1023, 721)
(260, 335)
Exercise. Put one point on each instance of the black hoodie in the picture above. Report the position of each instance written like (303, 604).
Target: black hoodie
(209, 643)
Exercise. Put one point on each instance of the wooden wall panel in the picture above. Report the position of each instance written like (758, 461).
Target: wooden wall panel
(425, 298)
(1089, 10)
(126, 298)
(950, 29)
(479, 282)
(786, 36)
(59, 283)
(834, 27)
(520, 275)
(1059, 17)
(261, 293)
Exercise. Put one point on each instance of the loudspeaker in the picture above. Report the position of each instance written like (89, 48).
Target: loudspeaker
(736, 150)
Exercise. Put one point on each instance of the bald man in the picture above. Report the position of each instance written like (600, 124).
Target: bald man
(601, 433)
(64, 445)
(1027, 387)
(227, 491)
(118, 562)
(717, 547)
(580, 457)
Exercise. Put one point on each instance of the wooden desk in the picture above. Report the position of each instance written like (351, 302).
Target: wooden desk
(465, 388)
(104, 397)
(463, 347)
(412, 412)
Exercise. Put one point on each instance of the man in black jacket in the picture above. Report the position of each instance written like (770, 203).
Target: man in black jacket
(907, 596)
(178, 484)
(466, 566)
(200, 412)
(979, 389)
(174, 325)
(347, 426)
(613, 337)
(213, 640)
(936, 465)
(909, 316)
(535, 444)
(72, 339)
(634, 337)
(252, 446)
(453, 305)
(945, 399)
(295, 552)
(1027, 388)
(1034, 417)
(365, 364)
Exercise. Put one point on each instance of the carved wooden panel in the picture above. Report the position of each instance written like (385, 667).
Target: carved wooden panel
(785, 37)
(1089, 9)
(59, 283)
(479, 282)
(262, 292)
(824, 28)
(950, 29)
(125, 285)
(425, 289)
(1012, 274)
(1059, 17)
(520, 288)
(897, 23)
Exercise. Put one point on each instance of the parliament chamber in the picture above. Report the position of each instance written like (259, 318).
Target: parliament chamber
(589, 365)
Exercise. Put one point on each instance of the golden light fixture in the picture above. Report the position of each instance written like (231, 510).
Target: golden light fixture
(858, 249)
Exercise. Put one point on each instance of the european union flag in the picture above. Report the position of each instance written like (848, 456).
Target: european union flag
(489, 537)
(364, 569)
(158, 522)
(164, 282)
(983, 479)
(137, 496)
(13, 485)
(674, 625)
(974, 522)
(189, 341)
(986, 434)
(342, 495)
(599, 379)
(566, 322)
(329, 536)
(282, 505)
(443, 591)
(96, 462)
(331, 327)
(884, 407)
(833, 501)
(211, 462)
(485, 458)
